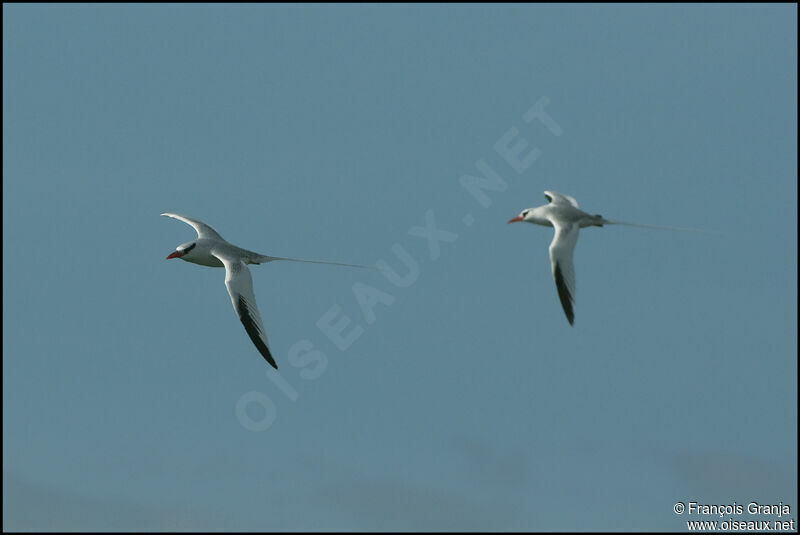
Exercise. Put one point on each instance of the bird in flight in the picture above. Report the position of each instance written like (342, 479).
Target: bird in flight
(562, 213)
(210, 249)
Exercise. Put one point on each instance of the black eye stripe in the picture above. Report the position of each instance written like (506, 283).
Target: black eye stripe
(189, 248)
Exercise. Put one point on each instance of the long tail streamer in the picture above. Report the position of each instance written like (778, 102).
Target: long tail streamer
(611, 222)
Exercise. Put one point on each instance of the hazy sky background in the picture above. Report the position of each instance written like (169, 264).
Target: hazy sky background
(329, 133)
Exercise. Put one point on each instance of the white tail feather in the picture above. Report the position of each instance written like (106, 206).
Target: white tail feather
(271, 258)
(611, 222)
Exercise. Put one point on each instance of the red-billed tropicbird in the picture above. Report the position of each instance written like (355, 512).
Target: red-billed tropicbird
(210, 249)
(562, 213)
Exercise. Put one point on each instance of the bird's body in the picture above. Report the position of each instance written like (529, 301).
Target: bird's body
(563, 214)
(203, 253)
(210, 249)
(563, 211)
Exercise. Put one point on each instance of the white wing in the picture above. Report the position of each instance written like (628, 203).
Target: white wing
(561, 249)
(240, 287)
(203, 230)
(560, 198)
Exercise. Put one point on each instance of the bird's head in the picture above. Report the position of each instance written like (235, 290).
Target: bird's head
(182, 250)
(522, 216)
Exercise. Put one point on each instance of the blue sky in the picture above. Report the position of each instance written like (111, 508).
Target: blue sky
(460, 398)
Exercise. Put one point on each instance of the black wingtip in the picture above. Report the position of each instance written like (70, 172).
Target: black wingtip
(253, 331)
(564, 296)
(270, 360)
(264, 350)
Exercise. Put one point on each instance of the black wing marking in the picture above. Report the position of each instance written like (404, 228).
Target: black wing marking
(564, 295)
(253, 331)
